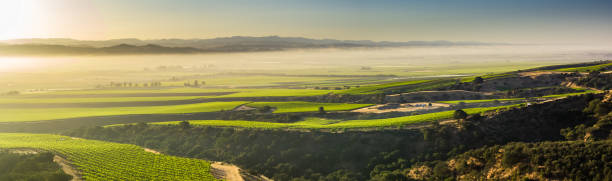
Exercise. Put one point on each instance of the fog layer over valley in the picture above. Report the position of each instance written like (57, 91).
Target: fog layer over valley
(221, 69)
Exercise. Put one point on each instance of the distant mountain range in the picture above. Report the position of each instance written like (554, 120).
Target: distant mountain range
(183, 46)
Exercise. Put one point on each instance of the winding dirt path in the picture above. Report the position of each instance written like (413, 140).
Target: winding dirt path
(225, 171)
(67, 168)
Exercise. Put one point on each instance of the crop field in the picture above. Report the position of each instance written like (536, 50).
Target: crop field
(488, 76)
(377, 88)
(152, 95)
(98, 160)
(480, 100)
(260, 81)
(571, 94)
(285, 107)
(38, 114)
(584, 69)
(32, 100)
(164, 92)
(173, 94)
(519, 99)
(306, 123)
(319, 123)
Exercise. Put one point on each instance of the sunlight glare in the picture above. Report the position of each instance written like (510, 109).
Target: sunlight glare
(16, 18)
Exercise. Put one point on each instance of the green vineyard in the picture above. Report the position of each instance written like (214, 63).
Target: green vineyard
(98, 160)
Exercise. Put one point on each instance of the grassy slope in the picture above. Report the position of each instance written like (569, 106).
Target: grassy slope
(571, 94)
(98, 160)
(370, 89)
(64, 96)
(25, 100)
(259, 80)
(479, 100)
(516, 99)
(488, 76)
(15, 115)
(584, 69)
(285, 107)
(239, 92)
(317, 123)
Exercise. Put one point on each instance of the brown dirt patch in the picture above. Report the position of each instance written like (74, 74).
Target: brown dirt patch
(225, 171)
(151, 151)
(24, 151)
(68, 168)
(407, 107)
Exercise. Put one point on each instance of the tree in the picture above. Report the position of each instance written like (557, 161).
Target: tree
(478, 80)
(460, 114)
(594, 73)
(322, 110)
(265, 109)
(185, 124)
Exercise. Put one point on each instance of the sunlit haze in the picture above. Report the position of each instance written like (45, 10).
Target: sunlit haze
(521, 21)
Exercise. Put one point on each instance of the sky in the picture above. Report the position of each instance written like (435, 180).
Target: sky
(511, 21)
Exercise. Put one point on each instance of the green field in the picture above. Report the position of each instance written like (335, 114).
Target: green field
(306, 123)
(38, 114)
(371, 89)
(101, 94)
(238, 92)
(584, 69)
(127, 91)
(259, 81)
(479, 100)
(517, 99)
(166, 94)
(33, 100)
(488, 76)
(278, 92)
(98, 160)
(319, 123)
(285, 107)
(572, 94)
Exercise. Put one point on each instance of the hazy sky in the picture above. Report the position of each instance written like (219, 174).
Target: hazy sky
(513, 21)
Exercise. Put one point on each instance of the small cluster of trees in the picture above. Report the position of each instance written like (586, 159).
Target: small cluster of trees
(333, 88)
(130, 84)
(11, 93)
(153, 84)
(475, 85)
(597, 80)
(195, 83)
(14, 166)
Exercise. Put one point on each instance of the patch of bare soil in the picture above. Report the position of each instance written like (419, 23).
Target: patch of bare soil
(231, 172)
(24, 151)
(68, 168)
(407, 107)
(225, 171)
(151, 151)
(244, 108)
(537, 73)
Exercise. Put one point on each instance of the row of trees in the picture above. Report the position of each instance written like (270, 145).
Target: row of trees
(195, 83)
(131, 84)
(333, 88)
